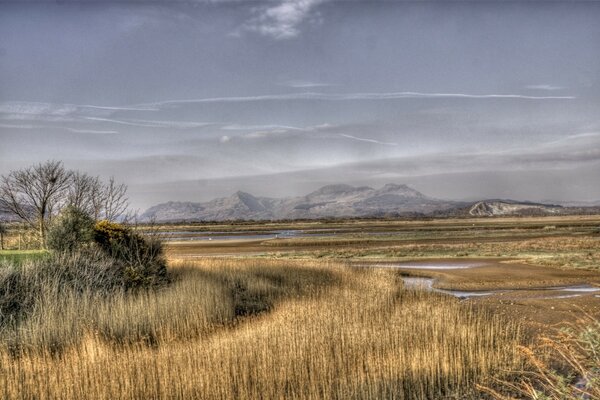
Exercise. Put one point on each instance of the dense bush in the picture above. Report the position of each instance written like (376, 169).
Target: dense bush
(142, 258)
(111, 236)
(72, 230)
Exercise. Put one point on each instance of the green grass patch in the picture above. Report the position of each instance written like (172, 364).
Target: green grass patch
(17, 257)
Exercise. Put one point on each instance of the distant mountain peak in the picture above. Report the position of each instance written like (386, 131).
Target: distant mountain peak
(395, 186)
(400, 190)
(248, 200)
(333, 189)
(240, 194)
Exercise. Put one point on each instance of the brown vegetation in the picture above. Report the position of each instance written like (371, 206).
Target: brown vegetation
(256, 329)
(288, 320)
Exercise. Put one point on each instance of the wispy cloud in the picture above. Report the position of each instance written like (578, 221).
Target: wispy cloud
(283, 19)
(305, 84)
(152, 123)
(544, 87)
(576, 137)
(352, 97)
(265, 134)
(368, 140)
(57, 112)
(60, 112)
(584, 135)
(46, 127)
(240, 127)
(21, 126)
(57, 109)
(282, 131)
(92, 131)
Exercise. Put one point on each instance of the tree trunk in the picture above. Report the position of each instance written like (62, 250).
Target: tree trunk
(1, 241)
(42, 234)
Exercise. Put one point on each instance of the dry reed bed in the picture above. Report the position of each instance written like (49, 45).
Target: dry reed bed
(562, 252)
(250, 329)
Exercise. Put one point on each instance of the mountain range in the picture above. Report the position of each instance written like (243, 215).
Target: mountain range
(337, 201)
(344, 201)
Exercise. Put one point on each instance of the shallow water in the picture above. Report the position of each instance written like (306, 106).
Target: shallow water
(435, 265)
(571, 291)
(427, 284)
(242, 235)
(418, 283)
(578, 288)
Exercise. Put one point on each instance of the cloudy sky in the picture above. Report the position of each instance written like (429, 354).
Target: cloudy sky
(193, 100)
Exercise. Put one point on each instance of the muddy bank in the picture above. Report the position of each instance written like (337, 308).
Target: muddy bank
(491, 274)
(537, 296)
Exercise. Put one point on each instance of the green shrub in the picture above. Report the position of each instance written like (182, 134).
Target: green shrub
(72, 230)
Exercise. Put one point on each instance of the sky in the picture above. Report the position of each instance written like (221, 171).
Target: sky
(192, 100)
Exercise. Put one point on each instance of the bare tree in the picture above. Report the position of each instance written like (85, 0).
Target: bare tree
(98, 199)
(115, 200)
(86, 193)
(34, 194)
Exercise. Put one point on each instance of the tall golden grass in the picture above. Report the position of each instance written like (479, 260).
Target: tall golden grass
(562, 364)
(249, 329)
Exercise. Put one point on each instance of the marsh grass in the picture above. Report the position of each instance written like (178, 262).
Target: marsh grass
(563, 364)
(247, 329)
